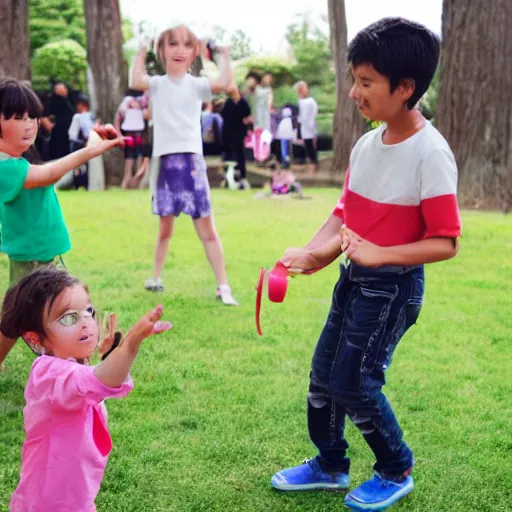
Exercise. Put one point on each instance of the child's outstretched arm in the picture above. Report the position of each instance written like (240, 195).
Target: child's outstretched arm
(51, 172)
(114, 370)
(225, 79)
(139, 79)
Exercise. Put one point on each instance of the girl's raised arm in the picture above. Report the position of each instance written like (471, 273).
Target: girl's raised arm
(139, 79)
(225, 79)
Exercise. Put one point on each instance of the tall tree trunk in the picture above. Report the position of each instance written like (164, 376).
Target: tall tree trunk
(14, 39)
(348, 125)
(109, 71)
(474, 110)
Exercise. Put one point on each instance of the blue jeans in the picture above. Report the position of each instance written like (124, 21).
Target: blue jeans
(285, 150)
(371, 310)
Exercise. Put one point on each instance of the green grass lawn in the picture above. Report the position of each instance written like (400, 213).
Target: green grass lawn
(216, 409)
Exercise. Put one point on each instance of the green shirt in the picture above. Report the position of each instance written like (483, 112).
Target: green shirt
(33, 227)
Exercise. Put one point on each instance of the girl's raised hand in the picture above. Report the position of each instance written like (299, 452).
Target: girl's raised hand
(149, 324)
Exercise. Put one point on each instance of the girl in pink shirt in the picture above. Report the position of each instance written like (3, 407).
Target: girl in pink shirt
(67, 439)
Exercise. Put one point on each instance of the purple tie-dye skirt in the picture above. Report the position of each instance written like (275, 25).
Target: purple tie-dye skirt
(182, 186)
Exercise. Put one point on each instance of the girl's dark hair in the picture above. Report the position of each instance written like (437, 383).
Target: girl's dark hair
(17, 98)
(25, 302)
(398, 49)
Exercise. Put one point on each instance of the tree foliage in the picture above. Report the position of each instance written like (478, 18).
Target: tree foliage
(282, 71)
(241, 45)
(429, 100)
(310, 44)
(62, 60)
(52, 20)
(240, 42)
(128, 29)
(153, 66)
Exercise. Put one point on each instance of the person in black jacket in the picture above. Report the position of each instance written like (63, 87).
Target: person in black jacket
(236, 115)
(57, 116)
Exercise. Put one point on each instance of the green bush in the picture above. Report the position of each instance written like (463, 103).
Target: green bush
(429, 100)
(309, 41)
(314, 63)
(324, 124)
(43, 31)
(282, 72)
(283, 95)
(62, 60)
(52, 20)
(371, 125)
(153, 65)
(325, 96)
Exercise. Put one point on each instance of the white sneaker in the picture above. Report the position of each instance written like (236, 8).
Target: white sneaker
(154, 285)
(224, 293)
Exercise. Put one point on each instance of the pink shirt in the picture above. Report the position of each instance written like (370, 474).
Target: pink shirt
(67, 440)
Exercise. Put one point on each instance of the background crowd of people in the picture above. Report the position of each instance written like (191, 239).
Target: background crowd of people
(239, 126)
(246, 126)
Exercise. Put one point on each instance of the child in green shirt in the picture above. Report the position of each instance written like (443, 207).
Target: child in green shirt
(33, 229)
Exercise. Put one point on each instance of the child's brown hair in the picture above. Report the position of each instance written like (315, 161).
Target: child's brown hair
(169, 33)
(26, 302)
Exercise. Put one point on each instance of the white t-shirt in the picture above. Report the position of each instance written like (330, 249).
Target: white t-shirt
(285, 129)
(83, 122)
(396, 194)
(307, 117)
(176, 110)
(133, 120)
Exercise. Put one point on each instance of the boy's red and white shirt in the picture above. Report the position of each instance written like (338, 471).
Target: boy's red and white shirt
(401, 193)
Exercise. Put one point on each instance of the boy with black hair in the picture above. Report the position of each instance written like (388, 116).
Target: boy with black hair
(34, 233)
(81, 126)
(398, 211)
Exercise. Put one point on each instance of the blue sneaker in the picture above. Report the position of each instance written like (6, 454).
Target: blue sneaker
(309, 476)
(378, 493)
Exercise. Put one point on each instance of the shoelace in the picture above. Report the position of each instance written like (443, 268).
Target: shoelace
(387, 483)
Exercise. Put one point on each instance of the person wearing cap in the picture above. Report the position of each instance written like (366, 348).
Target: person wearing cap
(78, 133)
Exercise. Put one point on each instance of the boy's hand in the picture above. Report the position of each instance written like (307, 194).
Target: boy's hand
(298, 260)
(104, 138)
(106, 131)
(360, 251)
(149, 324)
